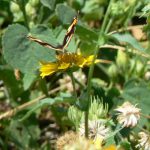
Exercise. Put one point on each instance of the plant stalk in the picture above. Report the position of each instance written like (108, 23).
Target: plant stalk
(108, 25)
(73, 84)
(91, 69)
(22, 7)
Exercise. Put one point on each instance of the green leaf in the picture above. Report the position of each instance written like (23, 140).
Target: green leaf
(90, 6)
(23, 134)
(44, 33)
(49, 101)
(49, 3)
(92, 10)
(87, 48)
(86, 34)
(14, 86)
(126, 145)
(23, 54)
(43, 86)
(146, 10)
(65, 13)
(28, 79)
(128, 39)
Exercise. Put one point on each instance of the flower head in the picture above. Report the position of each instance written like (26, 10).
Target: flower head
(72, 141)
(144, 141)
(65, 61)
(97, 130)
(128, 114)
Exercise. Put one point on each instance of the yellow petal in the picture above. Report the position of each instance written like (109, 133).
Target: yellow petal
(89, 60)
(63, 66)
(79, 60)
(48, 69)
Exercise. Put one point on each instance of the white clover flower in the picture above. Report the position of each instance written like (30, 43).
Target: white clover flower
(128, 114)
(97, 130)
(144, 141)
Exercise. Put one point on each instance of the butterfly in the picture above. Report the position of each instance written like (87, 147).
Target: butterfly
(66, 41)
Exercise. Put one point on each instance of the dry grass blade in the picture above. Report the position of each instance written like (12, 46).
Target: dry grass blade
(12, 112)
(134, 51)
(126, 29)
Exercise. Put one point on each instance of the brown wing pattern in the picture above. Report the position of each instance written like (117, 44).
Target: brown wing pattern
(66, 40)
(43, 43)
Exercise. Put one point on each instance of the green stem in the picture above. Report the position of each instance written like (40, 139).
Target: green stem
(130, 13)
(79, 83)
(40, 16)
(106, 16)
(73, 84)
(91, 69)
(22, 7)
(108, 25)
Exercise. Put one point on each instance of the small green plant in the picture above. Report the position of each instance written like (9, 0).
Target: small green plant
(74, 65)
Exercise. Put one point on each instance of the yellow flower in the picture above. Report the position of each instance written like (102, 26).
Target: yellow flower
(110, 147)
(65, 61)
(48, 69)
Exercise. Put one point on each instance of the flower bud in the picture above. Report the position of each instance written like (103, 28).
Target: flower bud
(75, 115)
(147, 75)
(132, 66)
(139, 68)
(117, 8)
(113, 71)
(14, 8)
(2, 95)
(97, 110)
(31, 24)
(18, 16)
(122, 60)
(131, 2)
(29, 9)
(34, 3)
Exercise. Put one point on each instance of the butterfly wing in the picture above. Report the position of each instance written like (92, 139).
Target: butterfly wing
(66, 40)
(69, 33)
(44, 43)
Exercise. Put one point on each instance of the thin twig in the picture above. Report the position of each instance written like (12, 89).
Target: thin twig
(148, 117)
(13, 111)
(144, 130)
(113, 47)
(128, 28)
(123, 48)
